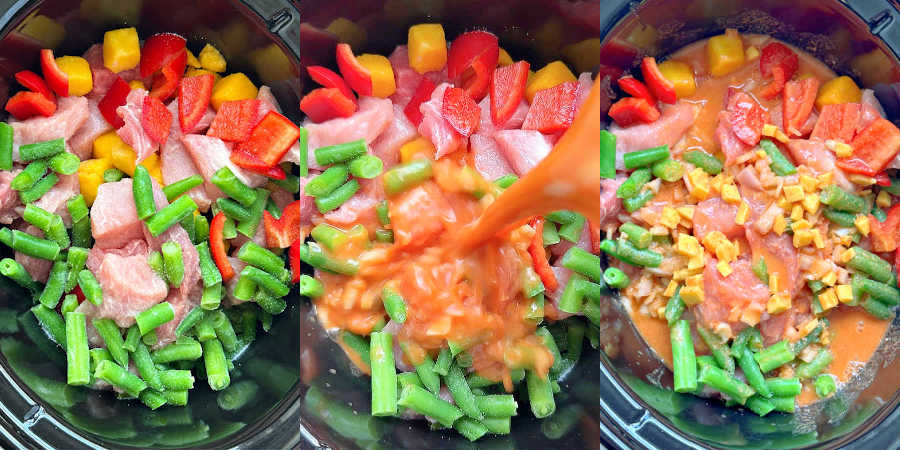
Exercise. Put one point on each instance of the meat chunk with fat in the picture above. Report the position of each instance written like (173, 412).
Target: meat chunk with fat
(373, 117)
(133, 132)
(523, 149)
(71, 113)
(674, 121)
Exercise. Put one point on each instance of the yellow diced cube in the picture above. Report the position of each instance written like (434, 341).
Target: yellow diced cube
(778, 303)
(194, 72)
(725, 53)
(801, 224)
(417, 148)
(838, 90)
(751, 316)
(138, 84)
(862, 224)
(842, 150)
(90, 177)
(779, 225)
(844, 293)
(724, 268)
(883, 199)
(830, 278)
(697, 261)
(348, 31)
(727, 252)
(802, 238)
(825, 179)
(783, 203)
(428, 47)
(687, 245)
(686, 212)
(730, 194)
(714, 239)
(793, 193)
(692, 295)
(847, 255)
(192, 60)
(699, 183)
(81, 81)
(796, 212)
(681, 75)
(809, 183)
(383, 84)
(121, 49)
(781, 137)
(773, 282)
(504, 59)
(811, 203)
(761, 154)
(769, 130)
(211, 59)
(752, 53)
(231, 88)
(743, 213)
(669, 217)
(818, 240)
(828, 299)
(106, 143)
(547, 77)
(671, 288)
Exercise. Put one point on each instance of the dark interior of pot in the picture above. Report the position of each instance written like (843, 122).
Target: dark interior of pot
(614, 395)
(38, 409)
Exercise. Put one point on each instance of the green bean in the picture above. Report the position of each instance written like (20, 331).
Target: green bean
(65, 164)
(749, 337)
(645, 157)
(211, 297)
(506, 181)
(394, 305)
(366, 166)
(132, 337)
(636, 234)
(233, 187)
(337, 197)
(78, 371)
(6, 236)
(173, 262)
(52, 322)
(784, 387)
(497, 405)
(869, 263)
(628, 253)
(146, 368)
(632, 186)
(290, 183)
(112, 336)
(329, 236)
(550, 235)
(841, 200)
(237, 395)
(780, 164)
(41, 150)
(99, 354)
(6, 146)
(887, 294)
(257, 256)
(718, 348)
(684, 362)
(34, 246)
(759, 405)
(204, 330)
(877, 309)
(429, 378)
(117, 376)
(77, 208)
(581, 261)
(709, 163)
(443, 361)
(13, 270)
(150, 318)
(177, 380)
(668, 170)
(155, 261)
(176, 398)
(471, 429)
(224, 330)
(607, 154)
(266, 281)
(816, 365)
(384, 375)
(163, 219)
(462, 393)
(725, 383)
(406, 176)
(572, 298)
(752, 372)
(303, 142)
(209, 273)
(615, 278)
(423, 402)
(840, 218)
(638, 201)
(183, 349)
(56, 285)
(172, 191)
(152, 399)
(675, 307)
(310, 287)
(150, 338)
(358, 344)
(81, 233)
(233, 209)
(142, 188)
(326, 182)
(783, 404)
(825, 385)
(384, 236)
(341, 152)
(244, 289)
(562, 216)
(316, 257)
(540, 395)
(572, 231)
(28, 177)
(774, 356)
(38, 217)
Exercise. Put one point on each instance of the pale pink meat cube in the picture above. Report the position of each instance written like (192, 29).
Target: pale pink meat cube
(71, 113)
(9, 199)
(672, 124)
(177, 164)
(488, 158)
(524, 149)
(55, 199)
(486, 125)
(129, 287)
(360, 207)
(400, 131)
(82, 142)
(817, 157)
(211, 154)
(435, 128)
(133, 132)
(114, 220)
(373, 117)
(102, 77)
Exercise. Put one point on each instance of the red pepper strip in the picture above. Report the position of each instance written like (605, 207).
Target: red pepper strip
(166, 82)
(193, 100)
(778, 55)
(776, 86)
(630, 110)
(882, 179)
(34, 83)
(271, 138)
(552, 110)
(471, 61)
(56, 78)
(633, 87)
(158, 51)
(799, 98)
(873, 148)
(460, 111)
(328, 78)
(234, 120)
(422, 94)
(217, 246)
(327, 103)
(26, 104)
(113, 99)
(250, 162)
(885, 236)
(507, 89)
(294, 259)
(746, 116)
(356, 75)
(79, 294)
(280, 233)
(156, 120)
(659, 85)
(539, 256)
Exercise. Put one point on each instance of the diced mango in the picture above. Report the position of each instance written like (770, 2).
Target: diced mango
(830, 278)
(692, 295)
(730, 194)
(779, 225)
(383, 84)
(699, 183)
(861, 180)
(233, 87)
(136, 84)
(348, 31)
(192, 60)
(797, 212)
(687, 245)
(121, 49)
(681, 75)
(809, 183)
(751, 316)
(838, 90)
(793, 193)
(505, 59)
(743, 213)
(811, 203)
(669, 217)
(778, 303)
(697, 261)
(211, 59)
(725, 53)
(106, 143)
(844, 293)
(671, 288)
(802, 238)
(122, 158)
(81, 82)
(417, 148)
(427, 47)
(828, 299)
(90, 177)
(724, 268)
(547, 77)
(862, 224)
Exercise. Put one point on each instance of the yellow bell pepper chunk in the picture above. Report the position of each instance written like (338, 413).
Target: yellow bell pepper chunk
(81, 82)
(681, 75)
(417, 148)
(838, 90)
(725, 53)
(427, 47)
(90, 177)
(211, 59)
(549, 76)
(347, 31)
(121, 49)
(382, 73)
(233, 87)
(106, 144)
(505, 59)
(192, 60)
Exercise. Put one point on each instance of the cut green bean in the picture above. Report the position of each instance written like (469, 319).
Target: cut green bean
(112, 336)
(329, 236)
(869, 263)
(423, 402)
(28, 177)
(41, 150)
(316, 257)
(119, 377)
(684, 362)
(784, 404)
(132, 337)
(172, 191)
(709, 163)
(749, 337)
(341, 152)
(752, 372)
(638, 201)
(172, 214)
(406, 176)
(878, 309)
(209, 272)
(462, 394)
(78, 359)
(366, 166)
(173, 262)
(146, 368)
(52, 322)
(607, 154)
(154, 316)
(383, 213)
(224, 330)
(183, 349)
(357, 344)
(34, 246)
(759, 405)
(78, 208)
(841, 200)
(233, 209)
(471, 429)
(337, 197)
(394, 305)
(540, 395)
(632, 186)
(645, 157)
(310, 287)
(583, 262)
(81, 233)
(840, 218)
(572, 231)
(15, 271)
(639, 236)
(719, 349)
(780, 164)
(725, 383)
(615, 278)
(38, 217)
(65, 164)
(326, 182)
(266, 281)
(233, 187)
(6, 146)
(211, 297)
(506, 181)
(668, 170)
(497, 405)
(257, 256)
(443, 361)
(384, 375)
(142, 188)
(303, 143)
(216, 365)
(784, 387)
(774, 356)
(675, 307)
(825, 385)
(815, 366)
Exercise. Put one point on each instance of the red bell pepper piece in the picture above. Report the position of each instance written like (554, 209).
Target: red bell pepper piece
(873, 148)
(507, 89)
(779, 62)
(631, 110)
(838, 122)
(282, 232)
(885, 236)
(271, 138)
(539, 256)
(193, 100)
(235, 120)
(217, 246)
(159, 50)
(882, 179)
(55, 77)
(245, 160)
(34, 83)
(633, 87)
(659, 85)
(355, 74)
(552, 110)
(422, 94)
(113, 99)
(294, 260)
(328, 78)
(27, 104)
(327, 103)
(156, 119)
(471, 61)
(746, 117)
(166, 82)
(799, 99)
(460, 111)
